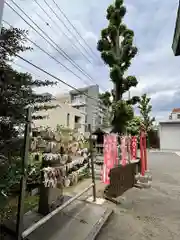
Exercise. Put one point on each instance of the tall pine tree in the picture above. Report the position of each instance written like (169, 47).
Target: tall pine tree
(16, 89)
(117, 51)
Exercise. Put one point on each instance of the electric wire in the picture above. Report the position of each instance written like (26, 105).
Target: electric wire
(29, 71)
(73, 45)
(62, 52)
(52, 57)
(71, 60)
(65, 16)
(54, 22)
(47, 24)
(102, 88)
(65, 26)
(51, 45)
(26, 69)
(54, 77)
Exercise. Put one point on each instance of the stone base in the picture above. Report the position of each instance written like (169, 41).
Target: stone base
(99, 201)
(144, 181)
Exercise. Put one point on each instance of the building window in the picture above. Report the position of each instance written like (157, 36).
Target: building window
(68, 116)
(178, 116)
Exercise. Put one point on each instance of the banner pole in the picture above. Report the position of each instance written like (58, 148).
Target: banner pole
(142, 155)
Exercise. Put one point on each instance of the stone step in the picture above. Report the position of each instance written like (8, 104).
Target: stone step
(79, 221)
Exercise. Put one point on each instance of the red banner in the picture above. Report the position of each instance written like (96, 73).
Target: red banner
(133, 148)
(143, 153)
(123, 150)
(110, 156)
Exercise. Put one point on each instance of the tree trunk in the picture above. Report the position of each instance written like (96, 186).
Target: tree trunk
(118, 95)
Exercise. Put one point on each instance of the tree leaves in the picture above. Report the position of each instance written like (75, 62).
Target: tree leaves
(105, 97)
(117, 51)
(145, 110)
(17, 88)
(134, 125)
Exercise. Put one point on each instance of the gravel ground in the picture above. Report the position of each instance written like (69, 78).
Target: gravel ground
(150, 213)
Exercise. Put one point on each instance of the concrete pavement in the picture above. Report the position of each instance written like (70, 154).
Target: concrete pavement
(149, 213)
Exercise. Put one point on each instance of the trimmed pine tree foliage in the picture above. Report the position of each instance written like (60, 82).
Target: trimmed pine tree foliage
(117, 51)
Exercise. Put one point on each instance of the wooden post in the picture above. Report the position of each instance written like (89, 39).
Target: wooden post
(20, 213)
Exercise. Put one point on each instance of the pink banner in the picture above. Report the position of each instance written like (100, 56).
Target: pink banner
(123, 150)
(114, 150)
(110, 156)
(133, 148)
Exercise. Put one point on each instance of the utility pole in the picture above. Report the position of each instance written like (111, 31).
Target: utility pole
(1, 11)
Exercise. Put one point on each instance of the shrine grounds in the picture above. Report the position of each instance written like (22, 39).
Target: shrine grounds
(145, 214)
(150, 213)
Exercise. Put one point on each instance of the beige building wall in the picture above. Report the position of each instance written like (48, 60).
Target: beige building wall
(63, 115)
(64, 98)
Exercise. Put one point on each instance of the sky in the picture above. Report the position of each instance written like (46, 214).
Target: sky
(153, 22)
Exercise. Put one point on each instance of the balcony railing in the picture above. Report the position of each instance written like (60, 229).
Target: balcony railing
(78, 102)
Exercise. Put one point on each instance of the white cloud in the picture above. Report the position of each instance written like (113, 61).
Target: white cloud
(155, 67)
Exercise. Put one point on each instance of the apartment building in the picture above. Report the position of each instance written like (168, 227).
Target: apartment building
(64, 115)
(87, 101)
(102, 114)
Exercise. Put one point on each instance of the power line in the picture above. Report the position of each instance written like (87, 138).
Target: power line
(26, 69)
(65, 16)
(53, 76)
(49, 42)
(75, 47)
(52, 57)
(63, 31)
(62, 52)
(51, 45)
(66, 26)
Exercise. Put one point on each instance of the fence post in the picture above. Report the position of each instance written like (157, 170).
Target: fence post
(20, 213)
(92, 162)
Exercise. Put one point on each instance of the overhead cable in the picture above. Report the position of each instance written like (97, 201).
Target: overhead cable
(58, 26)
(61, 51)
(65, 16)
(53, 76)
(51, 56)
(57, 16)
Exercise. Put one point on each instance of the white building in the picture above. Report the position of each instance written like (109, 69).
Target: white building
(87, 100)
(169, 132)
(64, 115)
(77, 110)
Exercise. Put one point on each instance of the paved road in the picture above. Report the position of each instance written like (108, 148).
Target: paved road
(150, 213)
